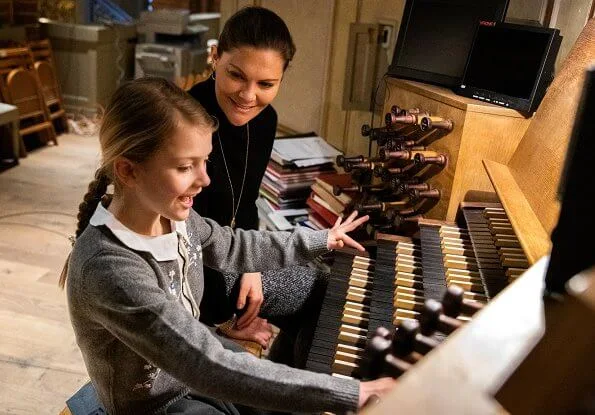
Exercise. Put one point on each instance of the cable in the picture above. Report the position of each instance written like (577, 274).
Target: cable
(375, 104)
(37, 227)
(38, 212)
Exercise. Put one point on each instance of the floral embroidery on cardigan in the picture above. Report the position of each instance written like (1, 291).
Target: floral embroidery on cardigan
(151, 373)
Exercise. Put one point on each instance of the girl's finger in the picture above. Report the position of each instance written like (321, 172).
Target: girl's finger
(350, 242)
(355, 224)
(351, 217)
(338, 222)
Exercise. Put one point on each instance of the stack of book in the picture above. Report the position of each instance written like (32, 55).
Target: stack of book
(326, 207)
(288, 187)
(294, 166)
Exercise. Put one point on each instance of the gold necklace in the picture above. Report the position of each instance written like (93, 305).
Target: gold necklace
(234, 208)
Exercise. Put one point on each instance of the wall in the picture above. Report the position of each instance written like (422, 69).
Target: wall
(342, 127)
(300, 103)
(570, 16)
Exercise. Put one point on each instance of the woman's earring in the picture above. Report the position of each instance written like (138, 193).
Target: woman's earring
(213, 75)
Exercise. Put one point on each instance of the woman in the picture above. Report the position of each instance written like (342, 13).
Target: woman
(254, 50)
(135, 274)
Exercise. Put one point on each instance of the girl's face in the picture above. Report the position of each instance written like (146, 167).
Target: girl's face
(167, 182)
(247, 80)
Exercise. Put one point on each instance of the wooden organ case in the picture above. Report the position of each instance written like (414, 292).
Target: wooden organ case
(523, 352)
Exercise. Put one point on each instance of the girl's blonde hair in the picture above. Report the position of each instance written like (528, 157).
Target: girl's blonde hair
(139, 118)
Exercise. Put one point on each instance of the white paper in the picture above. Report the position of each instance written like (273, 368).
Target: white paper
(279, 221)
(293, 149)
(292, 212)
(312, 162)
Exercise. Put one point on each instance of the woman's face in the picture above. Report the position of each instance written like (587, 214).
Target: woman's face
(247, 80)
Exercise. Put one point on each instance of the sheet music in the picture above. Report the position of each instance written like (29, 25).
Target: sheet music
(308, 148)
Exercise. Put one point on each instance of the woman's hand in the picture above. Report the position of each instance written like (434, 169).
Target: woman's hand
(259, 331)
(250, 294)
(378, 387)
(337, 235)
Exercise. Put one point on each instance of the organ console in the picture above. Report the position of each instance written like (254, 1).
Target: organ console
(458, 309)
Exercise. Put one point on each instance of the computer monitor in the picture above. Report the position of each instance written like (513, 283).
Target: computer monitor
(511, 65)
(435, 38)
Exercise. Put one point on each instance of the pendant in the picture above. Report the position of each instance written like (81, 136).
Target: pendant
(233, 223)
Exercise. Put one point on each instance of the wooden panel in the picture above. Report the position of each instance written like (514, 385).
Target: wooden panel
(537, 164)
(569, 379)
(335, 129)
(533, 238)
(484, 137)
(359, 79)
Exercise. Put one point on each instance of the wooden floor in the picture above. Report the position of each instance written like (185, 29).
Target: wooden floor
(40, 364)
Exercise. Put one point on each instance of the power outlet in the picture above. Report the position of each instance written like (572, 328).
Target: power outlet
(388, 36)
(385, 35)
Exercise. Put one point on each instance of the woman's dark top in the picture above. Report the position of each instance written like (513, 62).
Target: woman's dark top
(215, 201)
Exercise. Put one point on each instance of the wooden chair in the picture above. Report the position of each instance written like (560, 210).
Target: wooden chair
(51, 93)
(23, 90)
(12, 58)
(41, 50)
(43, 58)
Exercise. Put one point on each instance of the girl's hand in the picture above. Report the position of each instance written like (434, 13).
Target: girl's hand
(374, 388)
(337, 235)
(250, 295)
(259, 331)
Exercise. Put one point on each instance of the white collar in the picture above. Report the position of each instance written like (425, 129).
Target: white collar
(162, 247)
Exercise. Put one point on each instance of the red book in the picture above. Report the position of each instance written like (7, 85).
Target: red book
(327, 181)
(317, 221)
(329, 217)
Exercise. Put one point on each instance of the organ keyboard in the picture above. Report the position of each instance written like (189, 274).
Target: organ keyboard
(393, 284)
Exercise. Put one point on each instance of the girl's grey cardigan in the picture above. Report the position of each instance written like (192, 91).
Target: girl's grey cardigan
(143, 349)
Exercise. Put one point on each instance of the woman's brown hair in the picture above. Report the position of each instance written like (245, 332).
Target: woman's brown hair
(260, 28)
(139, 118)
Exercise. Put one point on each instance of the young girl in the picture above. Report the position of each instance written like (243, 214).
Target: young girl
(135, 275)
(254, 50)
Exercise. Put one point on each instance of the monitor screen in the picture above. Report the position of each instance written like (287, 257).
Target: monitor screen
(436, 36)
(506, 60)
